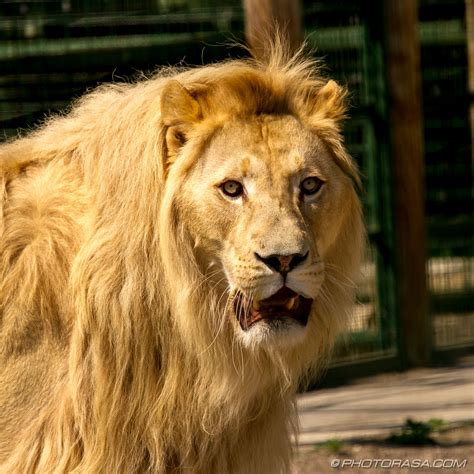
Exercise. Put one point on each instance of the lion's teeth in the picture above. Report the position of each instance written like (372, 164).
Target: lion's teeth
(291, 303)
(256, 305)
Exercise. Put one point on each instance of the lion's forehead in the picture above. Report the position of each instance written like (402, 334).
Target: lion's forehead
(266, 147)
(276, 133)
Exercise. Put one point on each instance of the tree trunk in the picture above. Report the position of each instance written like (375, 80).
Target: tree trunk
(470, 64)
(263, 18)
(406, 130)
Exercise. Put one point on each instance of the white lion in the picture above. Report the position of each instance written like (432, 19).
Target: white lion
(174, 260)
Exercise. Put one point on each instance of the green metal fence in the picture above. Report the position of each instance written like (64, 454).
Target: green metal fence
(52, 51)
(448, 174)
(342, 34)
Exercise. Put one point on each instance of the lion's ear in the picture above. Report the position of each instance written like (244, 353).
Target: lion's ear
(329, 102)
(178, 106)
(179, 110)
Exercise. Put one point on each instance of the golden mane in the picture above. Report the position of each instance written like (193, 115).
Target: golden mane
(98, 274)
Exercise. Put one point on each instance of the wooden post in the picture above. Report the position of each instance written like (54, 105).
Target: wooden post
(470, 64)
(406, 135)
(263, 16)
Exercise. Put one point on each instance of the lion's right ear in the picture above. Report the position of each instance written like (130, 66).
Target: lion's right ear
(179, 111)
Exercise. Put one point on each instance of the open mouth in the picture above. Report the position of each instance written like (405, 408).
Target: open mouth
(285, 304)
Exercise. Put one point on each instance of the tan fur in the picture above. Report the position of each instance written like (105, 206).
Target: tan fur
(118, 349)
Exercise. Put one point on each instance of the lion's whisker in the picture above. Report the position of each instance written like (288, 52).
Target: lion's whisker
(340, 274)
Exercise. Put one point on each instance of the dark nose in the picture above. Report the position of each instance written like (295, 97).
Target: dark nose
(282, 263)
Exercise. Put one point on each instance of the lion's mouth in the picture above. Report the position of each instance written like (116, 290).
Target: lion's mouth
(283, 305)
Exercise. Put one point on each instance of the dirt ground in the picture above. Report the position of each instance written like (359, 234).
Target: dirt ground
(451, 447)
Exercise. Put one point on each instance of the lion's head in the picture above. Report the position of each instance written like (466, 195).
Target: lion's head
(261, 189)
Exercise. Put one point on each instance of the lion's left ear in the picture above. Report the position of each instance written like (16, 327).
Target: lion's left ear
(329, 102)
(179, 111)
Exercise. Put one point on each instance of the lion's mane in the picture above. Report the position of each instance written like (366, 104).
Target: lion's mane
(102, 298)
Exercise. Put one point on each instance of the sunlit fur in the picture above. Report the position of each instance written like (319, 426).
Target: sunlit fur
(115, 354)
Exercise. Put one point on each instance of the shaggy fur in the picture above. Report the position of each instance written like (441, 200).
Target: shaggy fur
(116, 355)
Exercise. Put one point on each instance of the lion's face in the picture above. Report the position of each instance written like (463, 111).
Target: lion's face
(265, 204)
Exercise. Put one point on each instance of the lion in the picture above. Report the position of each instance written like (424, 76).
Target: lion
(177, 257)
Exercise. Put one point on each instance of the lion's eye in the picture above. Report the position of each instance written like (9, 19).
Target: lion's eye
(232, 188)
(311, 185)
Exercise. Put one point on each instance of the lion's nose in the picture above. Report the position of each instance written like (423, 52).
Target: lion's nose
(283, 263)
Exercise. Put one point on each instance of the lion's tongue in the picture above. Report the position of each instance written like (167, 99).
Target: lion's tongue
(273, 306)
(280, 298)
(284, 304)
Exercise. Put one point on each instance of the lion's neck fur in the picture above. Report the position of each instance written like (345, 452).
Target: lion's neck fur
(147, 384)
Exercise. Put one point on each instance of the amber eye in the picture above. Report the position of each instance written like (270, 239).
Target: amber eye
(311, 185)
(232, 188)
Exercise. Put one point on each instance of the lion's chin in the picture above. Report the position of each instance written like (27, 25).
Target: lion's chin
(280, 318)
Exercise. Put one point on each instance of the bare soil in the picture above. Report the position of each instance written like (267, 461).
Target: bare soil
(451, 447)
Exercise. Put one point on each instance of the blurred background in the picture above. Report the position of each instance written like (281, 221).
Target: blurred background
(410, 132)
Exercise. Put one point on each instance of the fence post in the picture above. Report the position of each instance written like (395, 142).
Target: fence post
(261, 18)
(406, 143)
(470, 63)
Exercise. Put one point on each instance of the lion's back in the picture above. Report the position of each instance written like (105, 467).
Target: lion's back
(42, 223)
